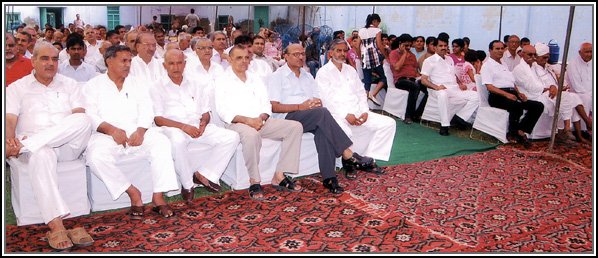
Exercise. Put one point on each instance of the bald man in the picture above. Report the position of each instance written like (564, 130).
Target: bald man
(579, 78)
(181, 109)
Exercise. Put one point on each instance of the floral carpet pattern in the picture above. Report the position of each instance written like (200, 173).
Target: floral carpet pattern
(506, 200)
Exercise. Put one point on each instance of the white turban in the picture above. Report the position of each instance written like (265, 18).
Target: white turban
(542, 49)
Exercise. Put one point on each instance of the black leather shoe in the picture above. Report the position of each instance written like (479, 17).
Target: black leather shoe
(188, 194)
(332, 185)
(444, 131)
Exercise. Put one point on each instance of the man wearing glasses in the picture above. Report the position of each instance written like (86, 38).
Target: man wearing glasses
(504, 95)
(145, 64)
(17, 66)
(511, 58)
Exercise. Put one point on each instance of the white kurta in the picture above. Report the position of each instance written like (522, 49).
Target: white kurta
(53, 134)
(509, 60)
(234, 97)
(342, 94)
(579, 77)
(217, 59)
(186, 103)
(127, 109)
(151, 72)
(441, 71)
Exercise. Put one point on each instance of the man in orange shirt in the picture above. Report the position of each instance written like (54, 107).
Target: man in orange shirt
(16, 65)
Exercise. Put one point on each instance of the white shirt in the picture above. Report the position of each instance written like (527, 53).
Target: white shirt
(93, 53)
(63, 56)
(183, 103)
(38, 106)
(579, 75)
(151, 72)
(440, 71)
(234, 97)
(546, 75)
(159, 51)
(341, 91)
(217, 59)
(29, 54)
(127, 109)
(83, 73)
(188, 51)
(274, 64)
(509, 60)
(497, 74)
(101, 66)
(527, 81)
(261, 69)
(286, 88)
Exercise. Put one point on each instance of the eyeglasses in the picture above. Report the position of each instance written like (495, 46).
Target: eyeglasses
(11, 45)
(204, 48)
(148, 44)
(298, 54)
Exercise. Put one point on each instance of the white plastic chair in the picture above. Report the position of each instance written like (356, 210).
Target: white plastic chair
(490, 120)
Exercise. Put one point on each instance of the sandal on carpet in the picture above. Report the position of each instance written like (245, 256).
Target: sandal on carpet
(165, 210)
(373, 168)
(332, 185)
(80, 237)
(136, 212)
(58, 237)
(350, 173)
(254, 190)
(287, 185)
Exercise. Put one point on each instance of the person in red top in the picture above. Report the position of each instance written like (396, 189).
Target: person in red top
(16, 65)
(404, 70)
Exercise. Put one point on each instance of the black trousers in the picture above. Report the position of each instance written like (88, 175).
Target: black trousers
(515, 109)
(329, 138)
(414, 88)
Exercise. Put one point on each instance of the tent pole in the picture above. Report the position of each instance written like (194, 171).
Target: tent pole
(561, 79)
(500, 25)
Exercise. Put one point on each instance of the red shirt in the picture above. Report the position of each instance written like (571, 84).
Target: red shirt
(18, 70)
(409, 68)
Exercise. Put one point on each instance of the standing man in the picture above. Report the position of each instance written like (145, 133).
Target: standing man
(579, 78)
(17, 66)
(78, 22)
(121, 112)
(75, 68)
(181, 108)
(191, 20)
(511, 58)
(294, 96)
(343, 95)
(504, 95)
(242, 103)
(438, 74)
(41, 130)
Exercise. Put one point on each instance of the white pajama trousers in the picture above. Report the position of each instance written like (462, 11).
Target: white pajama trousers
(223, 143)
(584, 99)
(454, 96)
(42, 152)
(383, 128)
(566, 110)
(103, 153)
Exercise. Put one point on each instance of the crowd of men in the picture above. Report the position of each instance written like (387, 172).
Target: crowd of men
(119, 92)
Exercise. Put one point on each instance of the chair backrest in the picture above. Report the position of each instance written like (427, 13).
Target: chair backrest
(388, 72)
(482, 91)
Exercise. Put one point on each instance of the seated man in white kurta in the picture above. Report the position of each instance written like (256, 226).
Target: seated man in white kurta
(342, 93)
(579, 78)
(438, 74)
(546, 73)
(46, 123)
(533, 88)
(121, 112)
(181, 108)
(145, 65)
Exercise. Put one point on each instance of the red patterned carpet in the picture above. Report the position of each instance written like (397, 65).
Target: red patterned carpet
(507, 200)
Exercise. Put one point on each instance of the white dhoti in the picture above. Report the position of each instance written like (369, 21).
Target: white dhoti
(455, 96)
(103, 152)
(223, 142)
(584, 99)
(384, 129)
(42, 152)
(566, 110)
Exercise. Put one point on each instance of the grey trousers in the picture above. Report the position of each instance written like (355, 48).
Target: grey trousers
(289, 132)
(329, 138)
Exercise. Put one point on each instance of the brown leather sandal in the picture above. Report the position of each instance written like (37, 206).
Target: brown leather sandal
(165, 210)
(80, 237)
(58, 237)
(136, 212)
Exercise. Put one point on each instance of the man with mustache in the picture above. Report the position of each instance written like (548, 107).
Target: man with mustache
(17, 66)
(46, 123)
(121, 112)
(342, 94)
(181, 107)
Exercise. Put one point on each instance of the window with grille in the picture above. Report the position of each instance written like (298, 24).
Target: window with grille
(113, 17)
